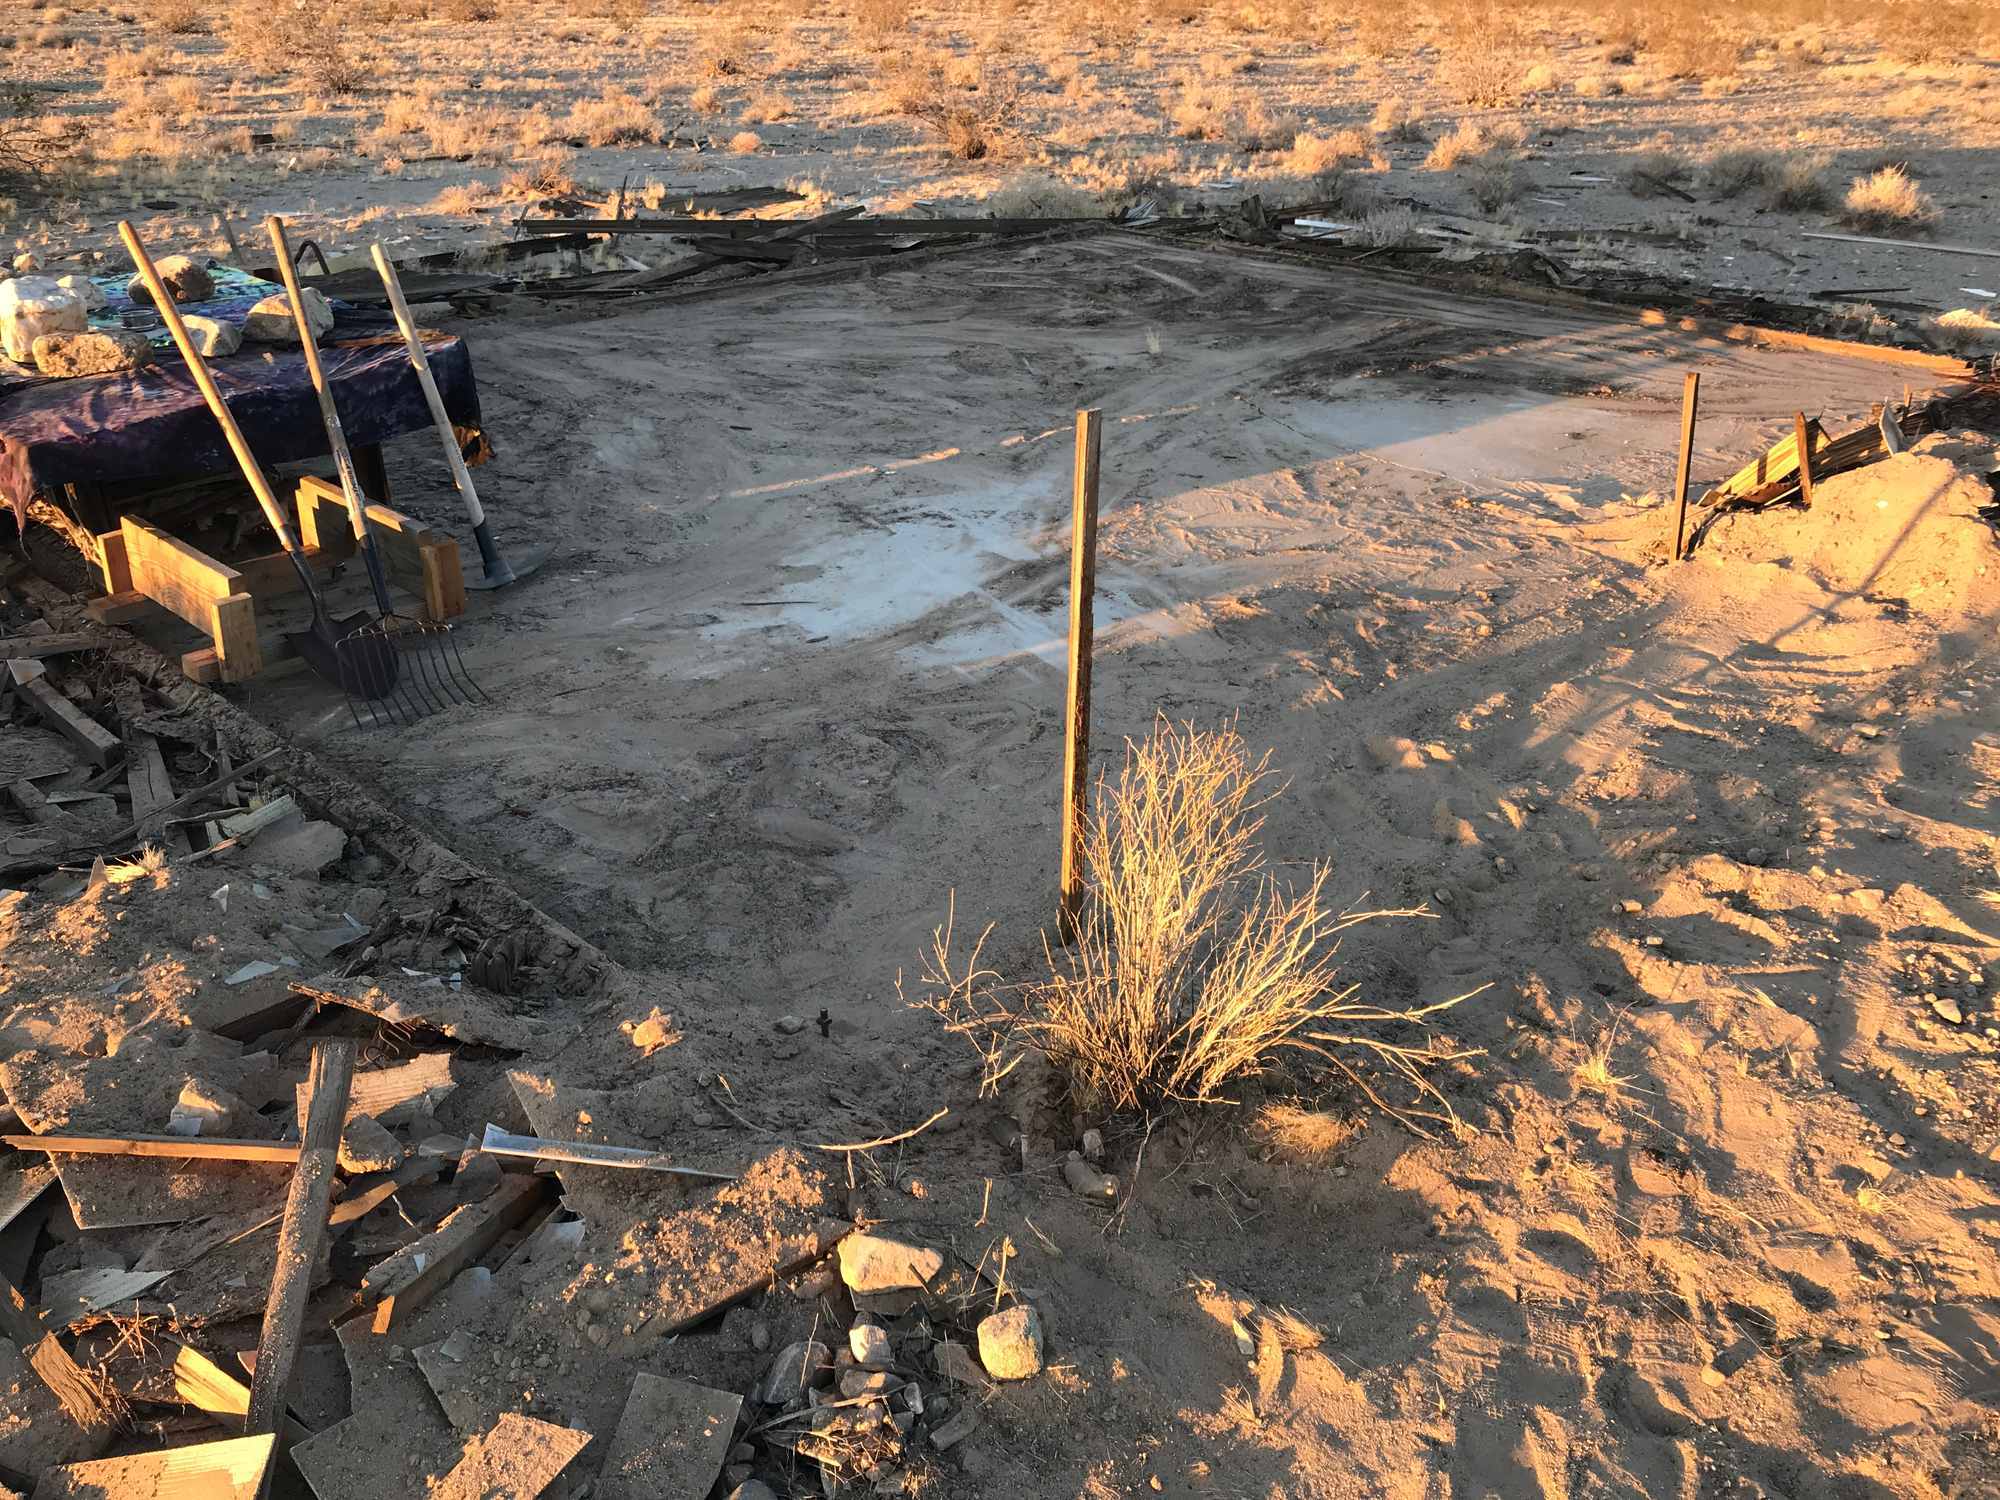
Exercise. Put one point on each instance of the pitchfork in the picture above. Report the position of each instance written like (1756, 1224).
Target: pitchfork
(403, 669)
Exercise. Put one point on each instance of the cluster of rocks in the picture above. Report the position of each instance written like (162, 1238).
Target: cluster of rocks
(925, 1337)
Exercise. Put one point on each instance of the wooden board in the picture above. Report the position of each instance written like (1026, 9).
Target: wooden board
(417, 1272)
(90, 739)
(395, 1094)
(465, 1014)
(232, 1469)
(26, 753)
(35, 647)
(150, 786)
(170, 1147)
(672, 1440)
(418, 559)
(517, 1460)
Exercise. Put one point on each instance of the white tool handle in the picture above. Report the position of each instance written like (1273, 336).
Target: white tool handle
(473, 510)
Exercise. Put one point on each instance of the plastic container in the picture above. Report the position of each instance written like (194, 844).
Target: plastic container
(31, 306)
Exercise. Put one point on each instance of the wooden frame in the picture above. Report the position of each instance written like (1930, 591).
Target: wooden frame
(144, 565)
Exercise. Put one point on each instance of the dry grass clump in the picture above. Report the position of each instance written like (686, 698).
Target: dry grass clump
(706, 100)
(1303, 1137)
(1036, 195)
(308, 43)
(25, 149)
(126, 67)
(767, 108)
(1494, 182)
(1797, 186)
(460, 198)
(1192, 970)
(1389, 228)
(1653, 172)
(615, 116)
(879, 22)
(1398, 120)
(549, 177)
(1256, 127)
(1467, 141)
(1888, 199)
(1481, 78)
(1313, 154)
(175, 17)
(969, 110)
(1730, 174)
(1202, 110)
(744, 142)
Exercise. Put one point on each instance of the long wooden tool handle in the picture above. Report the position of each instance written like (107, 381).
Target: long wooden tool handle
(163, 300)
(473, 510)
(336, 438)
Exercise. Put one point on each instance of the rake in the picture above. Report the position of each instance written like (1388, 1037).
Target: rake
(400, 668)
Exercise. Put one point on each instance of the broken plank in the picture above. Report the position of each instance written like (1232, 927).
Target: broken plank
(394, 1095)
(232, 1469)
(176, 1147)
(415, 1273)
(30, 799)
(81, 1396)
(498, 1142)
(1869, 239)
(517, 1460)
(299, 1235)
(55, 643)
(92, 740)
(464, 1014)
(672, 1440)
(150, 786)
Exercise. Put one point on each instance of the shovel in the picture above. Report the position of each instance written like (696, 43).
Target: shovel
(412, 667)
(369, 672)
(494, 566)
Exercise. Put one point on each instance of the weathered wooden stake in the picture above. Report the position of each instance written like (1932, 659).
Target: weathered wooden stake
(1687, 462)
(1802, 436)
(1076, 718)
(299, 1234)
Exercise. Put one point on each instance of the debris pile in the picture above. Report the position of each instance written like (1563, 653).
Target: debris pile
(290, 1197)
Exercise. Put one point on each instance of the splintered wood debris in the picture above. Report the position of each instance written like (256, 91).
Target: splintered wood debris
(347, 1185)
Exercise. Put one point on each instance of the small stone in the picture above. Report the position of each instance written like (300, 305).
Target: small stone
(214, 338)
(185, 279)
(956, 1430)
(760, 1336)
(1010, 1343)
(955, 1362)
(1086, 1181)
(871, 1263)
(753, 1489)
(1947, 1009)
(63, 356)
(865, 1383)
(86, 291)
(367, 1146)
(869, 1343)
(270, 321)
(790, 1025)
(797, 1368)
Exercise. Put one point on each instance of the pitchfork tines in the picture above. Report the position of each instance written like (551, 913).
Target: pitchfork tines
(402, 670)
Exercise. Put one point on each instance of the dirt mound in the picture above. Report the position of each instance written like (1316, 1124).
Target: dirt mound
(1906, 530)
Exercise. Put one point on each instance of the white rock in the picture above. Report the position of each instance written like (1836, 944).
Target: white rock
(84, 289)
(1010, 1343)
(870, 1263)
(869, 1344)
(31, 306)
(270, 321)
(213, 338)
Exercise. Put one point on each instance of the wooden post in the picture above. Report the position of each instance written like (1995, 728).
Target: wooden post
(1076, 717)
(299, 1235)
(1803, 437)
(1688, 398)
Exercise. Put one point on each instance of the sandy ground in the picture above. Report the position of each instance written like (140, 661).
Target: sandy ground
(1083, 106)
(1720, 839)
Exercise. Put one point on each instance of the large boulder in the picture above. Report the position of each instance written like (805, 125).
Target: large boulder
(62, 355)
(186, 280)
(270, 321)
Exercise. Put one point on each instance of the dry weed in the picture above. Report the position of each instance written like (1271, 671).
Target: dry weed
(613, 117)
(1888, 199)
(1798, 186)
(706, 100)
(176, 17)
(1312, 155)
(1304, 1137)
(1397, 120)
(1192, 969)
(1467, 141)
(767, 108)
(1653, 172)
(1493, 181)
(1389, 228)
(744, 142)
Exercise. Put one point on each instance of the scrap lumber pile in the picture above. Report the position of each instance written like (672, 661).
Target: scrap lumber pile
(95, 767)
(769, 243)
(291, 1204)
